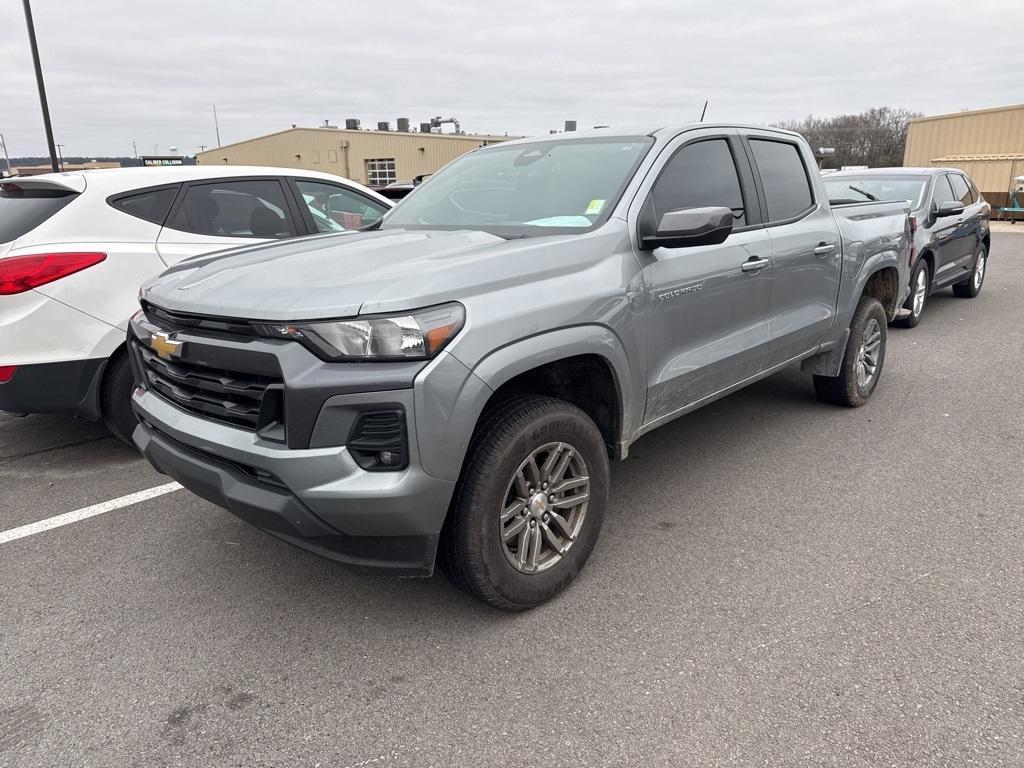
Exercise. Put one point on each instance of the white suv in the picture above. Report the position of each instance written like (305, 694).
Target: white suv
(75, 247)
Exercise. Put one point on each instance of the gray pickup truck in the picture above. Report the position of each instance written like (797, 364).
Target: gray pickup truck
(453, 382)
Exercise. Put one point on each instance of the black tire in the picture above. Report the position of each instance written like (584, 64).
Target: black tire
(845, 389)
(471, 549)
(971, 287)
(912, 320)
(116, 399)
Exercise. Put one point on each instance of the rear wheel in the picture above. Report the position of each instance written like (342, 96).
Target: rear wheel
(971, 287)
(530, 503)
(920, 282)
(862, 362)
(116, 399)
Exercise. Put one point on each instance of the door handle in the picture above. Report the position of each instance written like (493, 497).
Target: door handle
(754, 264)
(824, 248)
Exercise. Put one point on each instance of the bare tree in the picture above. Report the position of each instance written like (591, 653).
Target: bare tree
(875, 137)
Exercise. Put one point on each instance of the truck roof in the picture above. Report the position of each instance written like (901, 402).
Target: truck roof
(663, 131)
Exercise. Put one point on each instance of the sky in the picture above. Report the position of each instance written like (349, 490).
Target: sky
(149, 72)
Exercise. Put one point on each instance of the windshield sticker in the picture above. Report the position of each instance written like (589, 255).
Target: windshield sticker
(595, 207)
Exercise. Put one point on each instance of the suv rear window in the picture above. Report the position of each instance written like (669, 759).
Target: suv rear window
(24, 209)
(149, 204)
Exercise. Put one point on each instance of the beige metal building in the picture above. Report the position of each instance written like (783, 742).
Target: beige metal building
(987, 143)
(374, 158)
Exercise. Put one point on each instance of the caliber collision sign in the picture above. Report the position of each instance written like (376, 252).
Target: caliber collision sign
(161, 160)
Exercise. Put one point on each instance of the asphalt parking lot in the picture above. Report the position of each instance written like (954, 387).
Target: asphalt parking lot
(779, 583)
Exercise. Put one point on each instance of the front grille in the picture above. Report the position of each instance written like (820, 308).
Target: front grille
(176, 321)
(228, 396)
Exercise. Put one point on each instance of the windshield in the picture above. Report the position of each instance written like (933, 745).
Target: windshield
(522, 190)
(861, 189)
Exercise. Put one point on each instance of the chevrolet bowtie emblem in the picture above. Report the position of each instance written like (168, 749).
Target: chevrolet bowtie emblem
(165, 346)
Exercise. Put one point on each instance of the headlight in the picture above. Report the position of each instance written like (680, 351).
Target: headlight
(413, 336)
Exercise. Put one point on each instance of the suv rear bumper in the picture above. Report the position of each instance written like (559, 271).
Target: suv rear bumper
(318, 499)
(65, 387)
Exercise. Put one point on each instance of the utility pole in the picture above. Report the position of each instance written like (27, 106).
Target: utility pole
(135, 150)
(202, 147)
(156, 149)
(60, 155)
(10, 171)
(39, 82)
(216, 125)
(704, 111)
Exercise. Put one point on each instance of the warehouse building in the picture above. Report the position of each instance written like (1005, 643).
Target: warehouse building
(988, 144)
(374, 158)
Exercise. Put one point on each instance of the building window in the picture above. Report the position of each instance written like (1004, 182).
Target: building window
(380, 173)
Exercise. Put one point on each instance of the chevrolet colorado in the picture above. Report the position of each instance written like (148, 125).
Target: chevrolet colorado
(452, 383)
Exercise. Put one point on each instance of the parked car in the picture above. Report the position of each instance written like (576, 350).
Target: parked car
(75, 247)
(457, 380)
(951, 223)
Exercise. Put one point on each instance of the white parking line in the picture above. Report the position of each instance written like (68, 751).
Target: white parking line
(86, 512)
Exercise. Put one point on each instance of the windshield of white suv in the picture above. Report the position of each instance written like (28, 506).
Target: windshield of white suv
(521, 190)
(862, 189)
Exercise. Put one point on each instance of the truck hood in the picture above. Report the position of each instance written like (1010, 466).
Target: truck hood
(345, 275)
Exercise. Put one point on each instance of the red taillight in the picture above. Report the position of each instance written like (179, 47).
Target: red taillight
(23, 273)
(7, 372)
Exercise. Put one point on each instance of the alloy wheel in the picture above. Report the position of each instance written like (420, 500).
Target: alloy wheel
(868, 354)
(920, 291)
(544, 507)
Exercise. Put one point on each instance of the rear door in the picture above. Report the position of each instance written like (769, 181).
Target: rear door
(212, 215)
(707, 323)
(806, 248)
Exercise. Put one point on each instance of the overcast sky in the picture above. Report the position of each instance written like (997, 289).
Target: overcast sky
(117, 71)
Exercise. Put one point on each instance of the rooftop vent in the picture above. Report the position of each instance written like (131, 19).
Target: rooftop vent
(383, 125)
(403, 125)
(352, 124)
(570, 125)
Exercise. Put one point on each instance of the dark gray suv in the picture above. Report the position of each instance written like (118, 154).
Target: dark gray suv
(951, 221)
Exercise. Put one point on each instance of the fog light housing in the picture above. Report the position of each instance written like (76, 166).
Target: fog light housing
(378, 441)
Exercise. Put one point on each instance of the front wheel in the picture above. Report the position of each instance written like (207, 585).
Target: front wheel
(971, 287)
(862, 362)
(530, 503)
(920, 282)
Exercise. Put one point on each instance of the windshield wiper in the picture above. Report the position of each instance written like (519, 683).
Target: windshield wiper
(864, 192)
(371, 227)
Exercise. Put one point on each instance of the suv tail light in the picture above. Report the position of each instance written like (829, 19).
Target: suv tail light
(23, 273)
(7, 373)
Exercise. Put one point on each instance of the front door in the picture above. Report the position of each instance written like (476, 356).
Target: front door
(708, 306)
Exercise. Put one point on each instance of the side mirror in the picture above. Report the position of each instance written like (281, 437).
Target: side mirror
(949, 208)
(690, 226)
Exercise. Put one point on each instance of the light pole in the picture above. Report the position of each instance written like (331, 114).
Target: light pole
(39, 82)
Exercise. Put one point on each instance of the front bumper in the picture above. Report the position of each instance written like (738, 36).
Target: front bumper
(318, 499)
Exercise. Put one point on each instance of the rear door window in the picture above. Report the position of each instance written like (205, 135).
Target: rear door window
(149, 204)
(787, 187)
(250, 208)
(961, 190)
(24, 209)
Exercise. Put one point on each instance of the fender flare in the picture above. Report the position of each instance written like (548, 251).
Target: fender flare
(522, 355)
